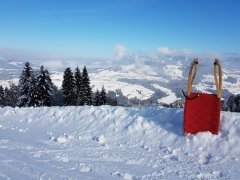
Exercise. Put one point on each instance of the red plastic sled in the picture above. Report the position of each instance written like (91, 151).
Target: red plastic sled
(202, 111)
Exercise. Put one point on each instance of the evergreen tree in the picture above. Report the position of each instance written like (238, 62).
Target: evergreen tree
(233, 103)
(68, 85)
(97, 101)
(112, 101)
(24, 85)
(7, 99)
(33, 93)
(112, 98)
(78, 87)
(44, 87)
(2, 97)
(103, 96)
(11, 95)
(87, 91)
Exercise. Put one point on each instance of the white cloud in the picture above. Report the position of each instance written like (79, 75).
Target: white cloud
(53, 64)
(164, 50)
(174, 52)
(203, 55)
(120, 51)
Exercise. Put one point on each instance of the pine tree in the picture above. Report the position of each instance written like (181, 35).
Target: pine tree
(233, 103)
(68, 85)
(87, 91)
(24, 85)
(112, 101)
(115, 103)
(11, 95)
(44, 87)
(103, 96)
(2, 97)
(33, 94)
(7, 99)
(78, 87)
(112, 98)
(97, 99)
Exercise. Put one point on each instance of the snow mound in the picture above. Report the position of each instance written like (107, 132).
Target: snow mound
(113, 142)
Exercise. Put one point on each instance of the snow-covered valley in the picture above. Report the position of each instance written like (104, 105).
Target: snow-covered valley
(113, 143)
(141, 77)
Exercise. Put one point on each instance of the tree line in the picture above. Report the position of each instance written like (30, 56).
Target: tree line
(35, 89)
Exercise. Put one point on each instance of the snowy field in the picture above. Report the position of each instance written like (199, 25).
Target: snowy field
(113, 143)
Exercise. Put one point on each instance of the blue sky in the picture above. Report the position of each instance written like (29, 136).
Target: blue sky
(92, 28)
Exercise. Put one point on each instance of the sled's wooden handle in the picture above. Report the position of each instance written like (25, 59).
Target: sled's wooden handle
(218, 80)
(192, 75)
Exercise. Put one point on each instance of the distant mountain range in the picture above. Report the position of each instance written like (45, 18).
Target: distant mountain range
(137, 76)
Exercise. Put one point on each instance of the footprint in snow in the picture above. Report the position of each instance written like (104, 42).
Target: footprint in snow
(61, 139)
(205, 159)
(116, 173)
(63, 158)
(171, 157)
(84, 167)
(101, 139)
(125, 176)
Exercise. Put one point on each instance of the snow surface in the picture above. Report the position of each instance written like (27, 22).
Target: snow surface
(113, 143)
(173, 71)
(171, 96)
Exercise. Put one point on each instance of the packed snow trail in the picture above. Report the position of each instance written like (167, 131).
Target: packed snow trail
(113, 143)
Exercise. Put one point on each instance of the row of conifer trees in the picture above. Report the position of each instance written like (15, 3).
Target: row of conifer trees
(35, 88)
(77, 90)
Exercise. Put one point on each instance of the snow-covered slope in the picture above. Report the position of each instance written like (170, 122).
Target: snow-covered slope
(113, 143)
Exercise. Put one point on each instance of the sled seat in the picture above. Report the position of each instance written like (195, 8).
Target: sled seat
(201, 110)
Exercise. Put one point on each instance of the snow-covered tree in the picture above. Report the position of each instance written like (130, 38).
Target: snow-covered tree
(2, 97)
(97, 101)
(233, 103)
(11, 95)
(78, 87)
(44, 87)
(103, 96)
(33, 94)
(7, 98)
(68, 86)
(112, 101)
(24, 85)
(112, 98)
(87, 91)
